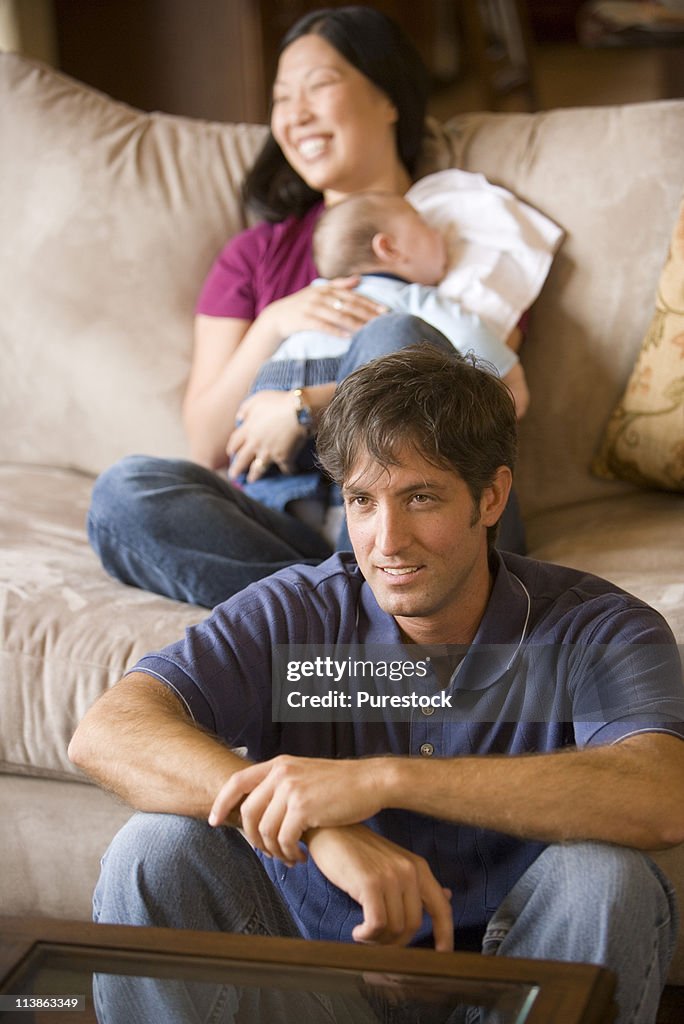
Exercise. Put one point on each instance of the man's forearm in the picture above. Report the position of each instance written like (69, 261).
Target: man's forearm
(630, 793)
(137, 742)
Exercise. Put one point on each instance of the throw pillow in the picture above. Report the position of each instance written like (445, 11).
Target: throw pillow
(644, 440)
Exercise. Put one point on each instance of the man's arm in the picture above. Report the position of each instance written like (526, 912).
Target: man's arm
(138, 741)
(630, 793)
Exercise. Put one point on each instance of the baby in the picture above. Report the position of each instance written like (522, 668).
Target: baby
(401, 260)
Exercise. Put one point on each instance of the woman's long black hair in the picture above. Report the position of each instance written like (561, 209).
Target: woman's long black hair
(375, 46)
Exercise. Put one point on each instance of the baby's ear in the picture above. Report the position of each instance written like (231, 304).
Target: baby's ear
(384, 248)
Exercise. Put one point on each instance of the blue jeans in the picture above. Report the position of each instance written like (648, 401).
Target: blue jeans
(175, 528)
(586, 902)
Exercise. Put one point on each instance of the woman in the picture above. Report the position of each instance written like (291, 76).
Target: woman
(347, 116)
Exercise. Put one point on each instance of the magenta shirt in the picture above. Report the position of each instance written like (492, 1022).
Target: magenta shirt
(259, 265)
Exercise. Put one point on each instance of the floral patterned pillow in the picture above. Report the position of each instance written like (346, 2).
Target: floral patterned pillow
(644, 440)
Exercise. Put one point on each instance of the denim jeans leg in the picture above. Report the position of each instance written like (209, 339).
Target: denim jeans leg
(175, 872)
(175, 528)
(388, 333)
(594, 903)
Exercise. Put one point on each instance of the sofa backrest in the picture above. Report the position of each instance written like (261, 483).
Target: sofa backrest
(612, 178)
(110, 219)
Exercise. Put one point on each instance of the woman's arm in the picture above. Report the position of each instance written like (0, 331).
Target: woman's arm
(226, 357)
(268, 430)
(228, 353)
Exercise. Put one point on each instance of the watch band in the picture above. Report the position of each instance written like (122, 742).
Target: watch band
(303, 411)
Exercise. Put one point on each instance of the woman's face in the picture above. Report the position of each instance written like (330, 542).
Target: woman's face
(334, 126)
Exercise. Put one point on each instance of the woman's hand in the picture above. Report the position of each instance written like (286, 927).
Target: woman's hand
(267, 432)
(229, 352)
(333, 307)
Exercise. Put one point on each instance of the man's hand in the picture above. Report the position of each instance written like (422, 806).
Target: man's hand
(393, 886)
(284, 797)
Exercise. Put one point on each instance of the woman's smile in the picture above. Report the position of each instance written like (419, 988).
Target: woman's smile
(312, 147)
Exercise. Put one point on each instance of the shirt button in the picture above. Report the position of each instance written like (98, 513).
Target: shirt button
(426, 750)
(429, 710)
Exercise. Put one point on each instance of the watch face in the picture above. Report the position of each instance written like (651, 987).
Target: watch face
(303, 411)
(304, 417)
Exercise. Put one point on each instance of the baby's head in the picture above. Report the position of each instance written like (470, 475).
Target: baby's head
(378, 231)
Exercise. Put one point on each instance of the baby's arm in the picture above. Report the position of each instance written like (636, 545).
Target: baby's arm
(515, 338)
(468, 333)
(517, 385)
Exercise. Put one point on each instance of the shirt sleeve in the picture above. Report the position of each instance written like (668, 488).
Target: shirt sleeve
(221, 671)
(627, 680)
(228, 290)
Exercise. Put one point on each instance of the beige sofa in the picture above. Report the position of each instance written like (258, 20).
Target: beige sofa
(109, 220)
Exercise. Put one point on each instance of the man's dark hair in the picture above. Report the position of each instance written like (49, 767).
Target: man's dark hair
(375, 45)
(454, 412)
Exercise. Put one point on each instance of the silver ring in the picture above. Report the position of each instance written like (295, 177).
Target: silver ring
(258, 462)
(338, 304)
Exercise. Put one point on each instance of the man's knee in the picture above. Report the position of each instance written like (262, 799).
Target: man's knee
(616, 886)
(178, 872)
(140, 865)
(157, 860)
(604, 867)
(579, 900)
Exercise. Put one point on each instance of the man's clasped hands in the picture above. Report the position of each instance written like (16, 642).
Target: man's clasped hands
(290, 801)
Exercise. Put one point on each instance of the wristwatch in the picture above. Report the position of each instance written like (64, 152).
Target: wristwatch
(303, 411)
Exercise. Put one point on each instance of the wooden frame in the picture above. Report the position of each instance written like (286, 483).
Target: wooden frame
(567, 993)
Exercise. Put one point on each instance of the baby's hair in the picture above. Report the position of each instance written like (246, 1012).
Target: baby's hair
(343, 237)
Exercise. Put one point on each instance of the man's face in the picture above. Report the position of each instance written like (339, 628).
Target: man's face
(421, 543)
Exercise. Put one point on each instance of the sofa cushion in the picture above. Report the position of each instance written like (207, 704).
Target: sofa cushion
(644, 439)
(632, 540)
(109, 221)
(51, 854)
(68, 631)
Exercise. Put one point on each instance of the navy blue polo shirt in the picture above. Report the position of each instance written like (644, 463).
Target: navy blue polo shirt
(561, 658)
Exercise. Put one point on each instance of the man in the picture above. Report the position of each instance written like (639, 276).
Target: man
(510, 820)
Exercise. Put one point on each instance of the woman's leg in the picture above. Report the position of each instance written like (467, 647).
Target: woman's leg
(388, 333)
(176, 528)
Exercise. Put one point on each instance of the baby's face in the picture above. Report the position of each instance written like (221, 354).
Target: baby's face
(423, 247)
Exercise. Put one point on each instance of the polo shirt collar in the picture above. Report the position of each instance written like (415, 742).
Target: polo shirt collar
(499, 637)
